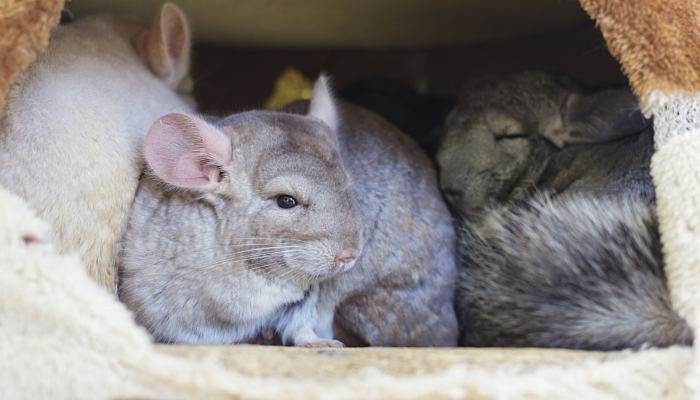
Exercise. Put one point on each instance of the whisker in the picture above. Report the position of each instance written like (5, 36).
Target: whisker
(246, 247)
(239, 259)
(268, 238)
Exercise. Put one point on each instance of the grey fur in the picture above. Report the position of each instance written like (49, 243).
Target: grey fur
(401, 292)
(378, 193)
(583, 271)
(598, 117)
(579, 271)
(497, 146)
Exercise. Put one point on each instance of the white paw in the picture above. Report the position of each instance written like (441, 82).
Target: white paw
(320, 343)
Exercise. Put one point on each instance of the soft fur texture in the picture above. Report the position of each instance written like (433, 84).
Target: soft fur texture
(224, 259)
(227, 262)
(400, 292)
(555, 273)
(579, 271)
(72, 130)
(498, 142)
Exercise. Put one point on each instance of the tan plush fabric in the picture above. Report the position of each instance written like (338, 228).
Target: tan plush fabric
(24, 30)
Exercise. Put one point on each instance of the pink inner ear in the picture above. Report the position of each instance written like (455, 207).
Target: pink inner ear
(195, 174)
(186, 152)
(190, 171)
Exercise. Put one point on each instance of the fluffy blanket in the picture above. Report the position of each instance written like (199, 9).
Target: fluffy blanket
(61, 336)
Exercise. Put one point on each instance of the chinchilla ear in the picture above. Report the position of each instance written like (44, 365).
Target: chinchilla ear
(165, 46)
(186, 152)
(323, 106)
(612, 110)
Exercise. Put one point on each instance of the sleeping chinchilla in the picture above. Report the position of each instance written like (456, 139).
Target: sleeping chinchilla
(559, 241)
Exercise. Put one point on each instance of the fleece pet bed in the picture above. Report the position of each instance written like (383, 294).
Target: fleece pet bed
(61, 336)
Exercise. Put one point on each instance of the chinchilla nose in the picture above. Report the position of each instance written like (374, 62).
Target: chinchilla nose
(345, 260)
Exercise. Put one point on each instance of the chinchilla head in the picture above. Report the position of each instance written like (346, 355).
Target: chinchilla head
(504, 129)
(282, 197)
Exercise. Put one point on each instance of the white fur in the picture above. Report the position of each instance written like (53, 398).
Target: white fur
(72, 132)
(323, 105)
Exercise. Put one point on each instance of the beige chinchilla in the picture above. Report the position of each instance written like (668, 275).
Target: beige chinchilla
(72, 131)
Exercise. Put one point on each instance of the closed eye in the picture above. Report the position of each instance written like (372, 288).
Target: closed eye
(511, 136)
(453, 195)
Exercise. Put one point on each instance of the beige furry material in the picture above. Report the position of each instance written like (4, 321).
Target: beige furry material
(676, 173)
(24, 31)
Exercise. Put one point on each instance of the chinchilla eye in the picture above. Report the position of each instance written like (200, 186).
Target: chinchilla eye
(286, 201)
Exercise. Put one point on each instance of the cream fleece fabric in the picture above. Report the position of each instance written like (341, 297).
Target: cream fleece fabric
(62, 336)
(676, 172)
